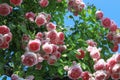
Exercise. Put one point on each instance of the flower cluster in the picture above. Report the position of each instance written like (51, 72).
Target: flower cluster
(46, 45)
(6, 9)
(115, 38)
(76, 6)
(113, 35)
(105, 21)
(110, 68)
(41, 19)
(113, 66)
(103, 69)
(94, 51)
(5, 36)
(75, 72)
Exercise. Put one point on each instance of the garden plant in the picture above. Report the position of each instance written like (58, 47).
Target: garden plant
(36, 44)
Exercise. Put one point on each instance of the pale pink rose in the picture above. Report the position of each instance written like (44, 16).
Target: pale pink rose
(57, 54)
(115, 76)
(106, 22)
(100, 75)
(82, 5)
(115, 48)
(29, 59)
(110, 36)
(11, 8)
(16, 2)
(5, 9)
(95, 54)
(111, 62)
(48, 17)
(100, 65)
(61, 36)
(116, 68)
(46, 56)
(99, 14)
(80, 54)
(116, 38)
(39, 58)
(4, 45)
(75, 72)
(34, 45)
(50, 26)
(90, 42)
(92, 78)
(62, 48)
(14, 77)
(40, 20)
(89, 48)
(52, 35)
(55, 48)
(43, 3)
(85, 75)
(52, 59)
(39, 35)
(47, 40)
(4, 29)
(77, 2)
(113, 27)
(47, 48)
(38, 66)
(31, 77)
(30, 16)
(60, 42)
(8, 37)
(76, 6)
(25, 38)
(71, 2)
(117, 57)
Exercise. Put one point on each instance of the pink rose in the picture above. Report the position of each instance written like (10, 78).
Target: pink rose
(106, 22)
(99, 14)
(16, 2)
(29, 59)
(43, 3)
(5, 9)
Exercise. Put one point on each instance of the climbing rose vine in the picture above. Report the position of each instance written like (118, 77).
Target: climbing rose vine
(36, 43)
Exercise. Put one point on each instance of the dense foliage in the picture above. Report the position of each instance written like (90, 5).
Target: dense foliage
(38, 42)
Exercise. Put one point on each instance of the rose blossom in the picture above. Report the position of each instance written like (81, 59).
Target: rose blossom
(29, 59)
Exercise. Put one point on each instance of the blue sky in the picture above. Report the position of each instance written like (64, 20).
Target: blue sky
(110, 9)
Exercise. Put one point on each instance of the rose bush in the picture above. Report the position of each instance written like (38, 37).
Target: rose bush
(35, 42)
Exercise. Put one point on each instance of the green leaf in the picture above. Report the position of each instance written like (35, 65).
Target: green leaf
(83, 66)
